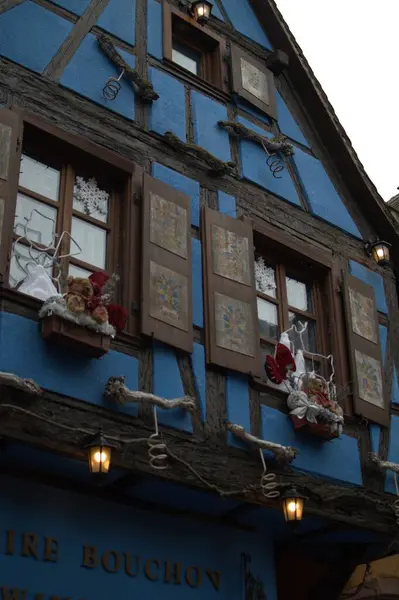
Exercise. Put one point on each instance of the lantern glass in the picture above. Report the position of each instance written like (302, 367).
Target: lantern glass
(380, 253)
(292, 504)
(99, 458)
(201, 11)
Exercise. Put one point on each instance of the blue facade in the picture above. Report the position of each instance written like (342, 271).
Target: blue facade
(177, 556)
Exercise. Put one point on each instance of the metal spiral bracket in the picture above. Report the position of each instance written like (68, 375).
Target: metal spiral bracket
(268, 482)
(112, 87)
(157, 455)
(274, 163)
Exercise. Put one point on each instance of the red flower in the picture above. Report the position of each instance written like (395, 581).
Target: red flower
(272, 370)
(98, 280)
(117, 316)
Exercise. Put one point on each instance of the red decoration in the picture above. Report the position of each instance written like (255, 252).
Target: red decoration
(277, 368)
(99, 279)
(117, 316)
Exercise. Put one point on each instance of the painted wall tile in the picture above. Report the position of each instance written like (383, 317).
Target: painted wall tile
(31, 35)
(338, 459)
(198, 303)
(59, 370)
(375, 432)
(154, 29)
(323, 198)
(395, 387)
(88, 72)
(206, 114)
(244, 20)
(374, 279)
(237, 405)
(118, 18)
(287, 123)
(168, 384)
(393, 453)
(199, 370)
(227, 204)
(168, 112)
(254, 167)
(75, 6)
(182, 183)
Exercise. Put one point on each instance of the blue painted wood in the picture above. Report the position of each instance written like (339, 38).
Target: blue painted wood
(30, 35)
(337, 459)
(154, 29)
(252, 110)
(287, 123)
(324, 200)
(206, 114)
(75, 6)
(198, 303)
(88, 72)
(227, 204)
(118, 18)
(74, 520)
(244, 20)
(375, 432)
(371, 278)
(383, 331)
(168, 112)
(254, 167)
(168, 384)
(393, 453)
(216, 12)
(199, 370)
(182, 183)
(58, 370)
(237, 405)
(395, 387)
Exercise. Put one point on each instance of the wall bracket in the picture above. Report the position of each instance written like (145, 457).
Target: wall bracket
(277, 144)
(116, 390)
(20, 383)
(288, 453)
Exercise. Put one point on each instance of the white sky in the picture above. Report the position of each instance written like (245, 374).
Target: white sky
(363, 90)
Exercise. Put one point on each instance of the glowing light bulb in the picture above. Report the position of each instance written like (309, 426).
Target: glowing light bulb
(100, 457)
(380, 252)
(291, 506)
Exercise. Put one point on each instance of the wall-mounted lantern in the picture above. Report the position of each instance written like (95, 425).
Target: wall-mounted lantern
(292, 503)
(199, 9)
(380, 251)
(99, 454)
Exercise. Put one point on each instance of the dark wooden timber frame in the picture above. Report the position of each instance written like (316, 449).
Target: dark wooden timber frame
(367, 347)
(270, 108)
(181, 27)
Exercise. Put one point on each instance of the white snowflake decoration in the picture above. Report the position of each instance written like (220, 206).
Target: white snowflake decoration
(264, 277)
(91, 198)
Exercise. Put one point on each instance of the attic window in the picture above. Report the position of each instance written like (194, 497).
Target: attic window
(193, 50)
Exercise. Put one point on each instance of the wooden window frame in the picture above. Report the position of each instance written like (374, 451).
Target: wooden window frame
(129, 235)
(328, 270)
(269, 108)
(214, 69)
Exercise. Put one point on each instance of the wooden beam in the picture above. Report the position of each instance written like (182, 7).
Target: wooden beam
(6, 5)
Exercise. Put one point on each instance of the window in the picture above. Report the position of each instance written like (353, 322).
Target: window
(62, 190)
(193, 49)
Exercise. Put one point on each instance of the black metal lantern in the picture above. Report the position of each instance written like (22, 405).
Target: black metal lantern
(99, 454)
(292, 503)
(380, 251)
(201, 11)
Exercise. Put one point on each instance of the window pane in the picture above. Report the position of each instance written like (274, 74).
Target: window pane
(22, 259)
(268, 320)
(265, 277)
(35, 221)
(299, 294)
(90, 199)
(186, 57)
(308, 337)
(92, 240)
(78, 271)
(39, 177)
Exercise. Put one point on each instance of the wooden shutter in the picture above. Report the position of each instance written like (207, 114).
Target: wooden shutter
(166, 274)
(10, 155)
(231, 322)
(253, 81)
(365, 352)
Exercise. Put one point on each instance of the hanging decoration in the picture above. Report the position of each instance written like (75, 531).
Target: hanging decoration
(312, 399)
(90, 197)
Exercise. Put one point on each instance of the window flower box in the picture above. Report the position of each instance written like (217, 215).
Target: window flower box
(74, 336)
(320, 430)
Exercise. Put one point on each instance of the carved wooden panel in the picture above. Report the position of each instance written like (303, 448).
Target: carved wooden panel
(231, 324)
(166, 273)
(364, 346)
